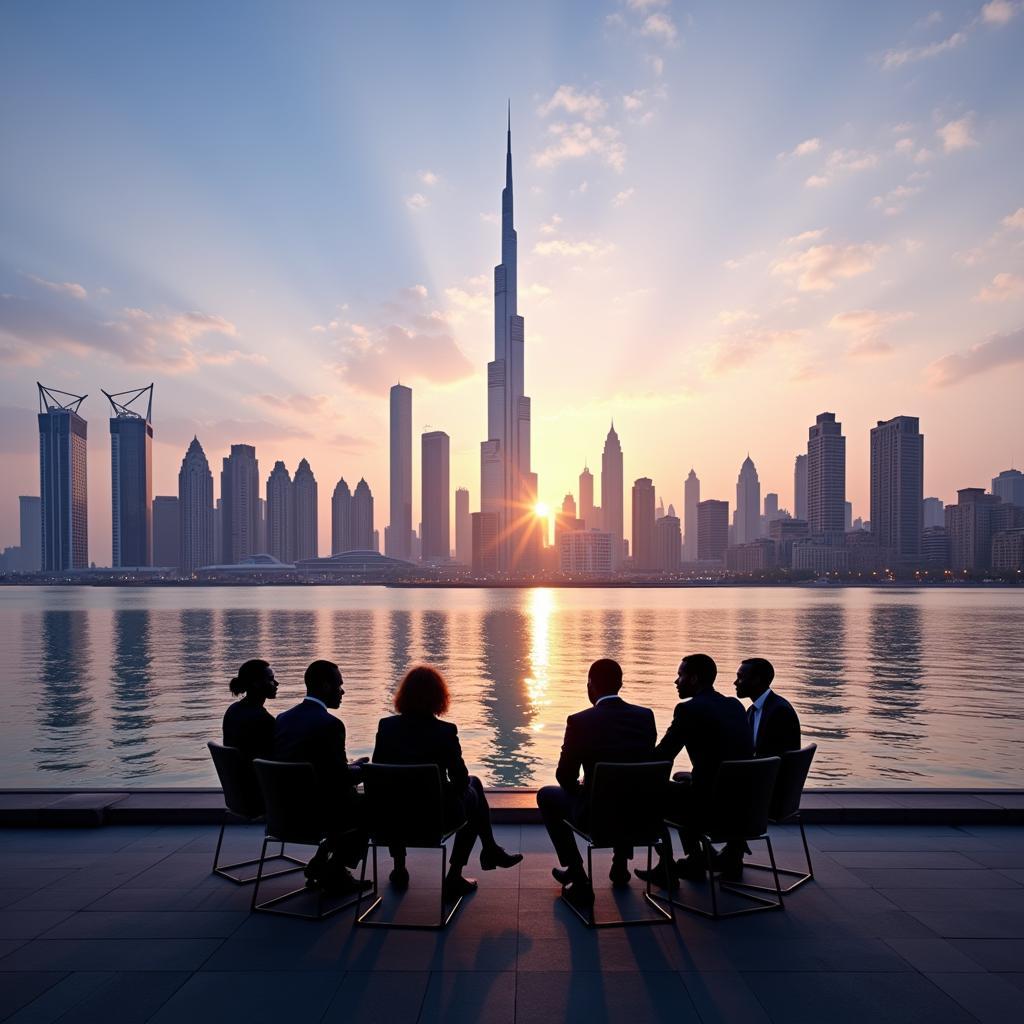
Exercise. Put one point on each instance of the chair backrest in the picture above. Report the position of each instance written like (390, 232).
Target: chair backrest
(741, 799)
(789, 786)
(293, 799)
(627, 803)
(405, 805)
(242, 794)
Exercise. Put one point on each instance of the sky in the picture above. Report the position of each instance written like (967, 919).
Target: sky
(731, 218)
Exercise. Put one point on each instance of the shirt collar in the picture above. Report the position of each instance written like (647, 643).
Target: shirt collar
(607, 696)
(316, 700)
(759, 703)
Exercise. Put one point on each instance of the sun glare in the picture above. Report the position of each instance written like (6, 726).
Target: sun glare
(541, 510)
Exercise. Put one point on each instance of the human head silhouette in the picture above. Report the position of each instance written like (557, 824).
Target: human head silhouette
(423, 691)
(696, 674)
(323, 681)
(604, 679)
(753, 677)
(256, 680)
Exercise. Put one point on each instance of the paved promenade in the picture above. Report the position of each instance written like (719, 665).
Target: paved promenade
(904, 924)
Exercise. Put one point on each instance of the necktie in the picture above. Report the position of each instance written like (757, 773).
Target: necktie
(752, 720)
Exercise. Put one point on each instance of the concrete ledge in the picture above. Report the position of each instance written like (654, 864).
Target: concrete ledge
(73, 809)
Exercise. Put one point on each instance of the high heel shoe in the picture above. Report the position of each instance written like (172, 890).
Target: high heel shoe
(498, 858)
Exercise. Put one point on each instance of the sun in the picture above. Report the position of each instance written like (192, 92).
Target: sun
(541, 510)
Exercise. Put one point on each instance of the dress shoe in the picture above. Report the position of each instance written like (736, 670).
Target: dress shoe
(619, 873)
(342, 883)
(691, 868)
(579, 893)
(399, 878)
(498, 858)
(567, 876)
(662, 875)
(456, 886)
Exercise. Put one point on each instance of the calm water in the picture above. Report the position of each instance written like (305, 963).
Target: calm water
(125, 686)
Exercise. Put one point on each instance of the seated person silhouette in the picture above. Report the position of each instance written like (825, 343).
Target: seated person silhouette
(416, 735)
(613, 731)
(774, 729)
(248, 725)
(309, 732)
(712, 728)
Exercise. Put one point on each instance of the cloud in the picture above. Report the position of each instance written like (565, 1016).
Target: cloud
(661, 27)
(428, 178)
(999, 12)
(728, 317)
(893, 202)
(623, 197)
(657, 64)
(1015, 220)
(932, 18)
(737, 350)
(76, 291)
(998, 351)
(897, 58)
(818, 267)
(805, 148)
(588, 105)
(805, 236)
(957, 135)
(472, 302)
(551, 226)
(1003, 287)
(565, 247)
(634, 101)
(866, 327)
(577, 141)
(417, 201)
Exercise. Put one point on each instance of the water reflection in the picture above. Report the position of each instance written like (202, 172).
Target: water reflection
(131, 716)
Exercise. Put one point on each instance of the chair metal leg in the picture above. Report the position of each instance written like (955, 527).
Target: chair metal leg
(272, 906)
(225, 870)
(801, 876)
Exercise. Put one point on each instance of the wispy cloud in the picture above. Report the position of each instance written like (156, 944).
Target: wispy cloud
(588, 105)
(623, 197)
(840, 162)
(736, 350)
(661, 27)
(957, 135)
(912, 54)
(894, 201)
(417, 201)
(995, 14)
(76, 291)
(579, 247)
(1000, 12)
(805, 148)
(1004, 287)
(866, 327)
(428, 178)
(996, 352)
(819, 267)
(1015, 220)
(576, 141)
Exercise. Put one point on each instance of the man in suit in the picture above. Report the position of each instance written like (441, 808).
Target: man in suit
(309, 732)
(712, 728)
(774, 725)
(610, 730)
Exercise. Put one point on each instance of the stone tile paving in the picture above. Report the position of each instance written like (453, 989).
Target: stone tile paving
(123, 924)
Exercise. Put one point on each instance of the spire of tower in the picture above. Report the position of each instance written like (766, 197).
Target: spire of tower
(508, 150)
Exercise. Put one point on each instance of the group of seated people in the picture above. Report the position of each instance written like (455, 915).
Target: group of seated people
(710, 726)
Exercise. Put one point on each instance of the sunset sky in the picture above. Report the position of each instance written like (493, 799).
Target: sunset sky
(731, 218)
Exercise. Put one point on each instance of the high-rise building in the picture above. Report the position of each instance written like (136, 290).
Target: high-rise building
(933, 514)
(586, 504)
(239, 504)
(436, 496)
(897, 489)
(198, 543)
(341, 518)
(691, 499)
(712, 530)
(261, 525)
(585, 552)
(508, 487)
(748, 503)
(362, 517)
(771, 509)
(969, 529)
(30, 534)
(1009, 485)
(306, 516)
(463, 528)
(166, 530)
(398, 536)
(644, 554)
(668, 543)
(659, 509)
(485, 543)
(800, 487)
(131, 478)
(612, 493)
(280, 514)
(785, 533)
(63, 492)
(826, 479)
(847, 516)
(935, 547)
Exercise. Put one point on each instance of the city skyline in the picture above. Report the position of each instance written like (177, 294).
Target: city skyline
(706, 256)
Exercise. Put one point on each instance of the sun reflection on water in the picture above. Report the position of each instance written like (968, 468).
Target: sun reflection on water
(539, 609)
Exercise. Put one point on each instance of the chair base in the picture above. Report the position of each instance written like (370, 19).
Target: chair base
(362, 919)
(273, 906)
(801, 876)
(225, 870)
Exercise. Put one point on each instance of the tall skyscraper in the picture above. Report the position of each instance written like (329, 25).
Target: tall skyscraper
(748, 503)
(644, 554)
(485, 543)
(362, 517)
(508, 487)
(398, 536)
(969, 528)
(691, 499)
(63, 492)
(341, 518)
(933, 513)
(668, 543)
(239, 504)
(612, 493)
(196, 511)
(586, 505)
(800, 487)
(712, 529)
(30, 533)
(463, 528)
(1009, 485)
(826, 479)
(897, 488)
(280, 514)
(131, 478)
(436, 496)
(771, 510)
(305, 505)
(166, 530)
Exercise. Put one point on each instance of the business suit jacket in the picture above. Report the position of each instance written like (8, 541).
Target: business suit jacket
(309, 732)
(423, 739)
(611, 730)
(779, 728)
(249, 728)
(713, 728)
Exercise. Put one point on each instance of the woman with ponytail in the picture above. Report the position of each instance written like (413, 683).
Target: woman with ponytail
(248, 725)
